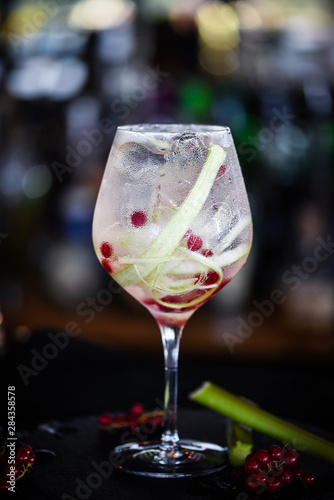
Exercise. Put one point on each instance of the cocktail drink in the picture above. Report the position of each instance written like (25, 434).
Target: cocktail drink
(172, 225)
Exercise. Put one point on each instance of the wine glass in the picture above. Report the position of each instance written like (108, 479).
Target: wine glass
(172, 225)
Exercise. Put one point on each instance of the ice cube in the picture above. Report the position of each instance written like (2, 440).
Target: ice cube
(190, 142)
(136, 161)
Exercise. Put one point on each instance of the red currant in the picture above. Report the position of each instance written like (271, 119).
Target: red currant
(194, 243)
(25, 448)
(106, 249)
(308, 478)
(221, 171)
(255, 482)
(23, 454)
(32, 459)
(286, 477)
(275, 452)
(207, 253)
(263, 457)
(297, 471)
(105, 419)
(251, 465)
(274, 484)
(210, 279)
(106, 264)
(290, 457)
(138, 219)
(136, 410)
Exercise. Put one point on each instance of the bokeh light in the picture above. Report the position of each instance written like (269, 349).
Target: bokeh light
(36, 181)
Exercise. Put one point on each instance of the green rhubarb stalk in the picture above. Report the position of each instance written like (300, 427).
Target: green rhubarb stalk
(173, 233)
(239, 442)
(260, 420)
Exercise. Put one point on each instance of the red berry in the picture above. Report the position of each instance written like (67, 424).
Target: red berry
(210, 279)
(275, 452)
(106, 264)
(138, 219)
(308, 478)
(32, 459)
(207, 253)
(221, 171)
(23, 454)
(255, 482)
(136, 410)
(286, 477)
(194, 243)
(273, 484)
(106, 249)
(25, 448)
(290, 457)
(251, 465)
(297, 471)
(263, 457)
(105, 419)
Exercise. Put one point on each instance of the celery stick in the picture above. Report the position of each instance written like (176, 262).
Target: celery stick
(239, 442)
(260, 420)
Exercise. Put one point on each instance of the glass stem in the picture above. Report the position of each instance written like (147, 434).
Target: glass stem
(171, 337)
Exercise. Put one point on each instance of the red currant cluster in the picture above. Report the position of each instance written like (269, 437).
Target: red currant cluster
(274, 468)
(107, 252)
(10, 468)
(134, 418)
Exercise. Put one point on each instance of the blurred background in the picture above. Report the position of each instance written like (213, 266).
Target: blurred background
(72, 71)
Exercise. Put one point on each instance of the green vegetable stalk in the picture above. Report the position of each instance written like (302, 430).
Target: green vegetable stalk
(239, 442)
(260, 420)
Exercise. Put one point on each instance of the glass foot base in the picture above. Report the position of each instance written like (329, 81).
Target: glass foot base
(187, 459)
